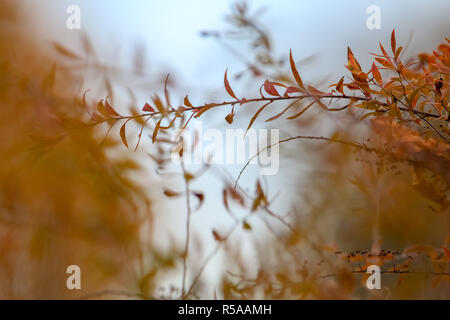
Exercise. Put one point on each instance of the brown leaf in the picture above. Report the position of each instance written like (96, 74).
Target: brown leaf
(228, 87)
(148, 108)
(170, 193)
(65, 52)
(123, 134)
(270, 88)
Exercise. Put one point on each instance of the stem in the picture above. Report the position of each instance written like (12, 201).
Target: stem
(188, 227)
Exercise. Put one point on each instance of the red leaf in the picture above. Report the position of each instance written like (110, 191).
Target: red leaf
(148, 108)
(96, 117)
(155, 132)
(270, 88)
(187, 103)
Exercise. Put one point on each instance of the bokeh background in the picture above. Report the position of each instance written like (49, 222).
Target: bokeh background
(65, 200)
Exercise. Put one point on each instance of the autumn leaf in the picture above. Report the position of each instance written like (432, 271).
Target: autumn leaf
(385, 53)
(291, 90)
(64, 51)
(155, 131)
(282, 112)
(217, 236)
(187, 103)
(101, 109)
(270, 88)
(393, 42)
(297, 77)
(110, 109)
(229, 118)
(353, 64)
(123, 134)
(339, 86)
(256, 115)
(148, 108)
(169, 193)
(376, 74)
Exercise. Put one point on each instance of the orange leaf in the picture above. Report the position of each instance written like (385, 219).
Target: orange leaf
(301, 112)
(155, 132)
(291, 90)
(228, 87)
(295, 72)
(170, 193)
(385, 63)
(96, 117)
(282, 112)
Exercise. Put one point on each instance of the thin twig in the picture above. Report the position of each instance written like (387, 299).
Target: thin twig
(188, 227)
